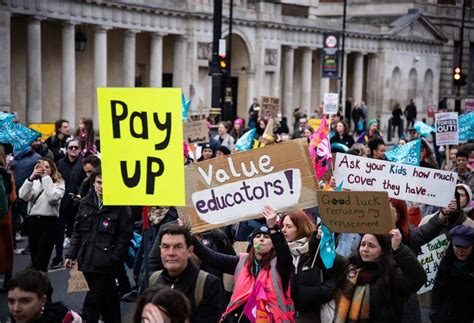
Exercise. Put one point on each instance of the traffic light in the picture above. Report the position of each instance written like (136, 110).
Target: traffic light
(223, 64)
(459, 78)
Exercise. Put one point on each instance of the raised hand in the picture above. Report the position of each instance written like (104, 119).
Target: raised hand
(396, 239)
(270, 216)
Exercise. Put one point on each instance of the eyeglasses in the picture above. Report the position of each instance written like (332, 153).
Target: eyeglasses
(73, 147)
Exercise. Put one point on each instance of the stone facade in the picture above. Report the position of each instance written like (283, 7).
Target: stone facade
(276, 52)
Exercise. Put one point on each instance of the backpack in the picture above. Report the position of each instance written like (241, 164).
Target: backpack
(198, 289)
(3, 198)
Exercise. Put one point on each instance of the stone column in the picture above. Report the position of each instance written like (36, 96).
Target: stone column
(358, 77)
(306, 72)
(324, 87)
(250, 88)
(156, 60)
(129, 50)
(288, 65)
(33, 85)
(179, 63)
(5, 61)
(68, 74)
(100, 67)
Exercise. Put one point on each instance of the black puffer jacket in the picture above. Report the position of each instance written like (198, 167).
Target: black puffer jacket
(101, 238)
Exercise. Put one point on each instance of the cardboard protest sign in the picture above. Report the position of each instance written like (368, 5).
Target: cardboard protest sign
(430, 258)
(196, 132)
(236, 187)
(446, 125)
(331, 103)
(356, 212)
(77, 282)
(405, 182)
(46, 129)
(142, 146)
(269, 107)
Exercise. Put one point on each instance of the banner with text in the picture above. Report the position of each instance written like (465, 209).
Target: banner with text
(446, 125)
(466, 126)
(196, 132)
(405, 182)
(236, 187)
(142, 146)
(430, 258)
(356, 212)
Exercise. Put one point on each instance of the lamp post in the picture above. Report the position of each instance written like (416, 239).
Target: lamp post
(81, 40)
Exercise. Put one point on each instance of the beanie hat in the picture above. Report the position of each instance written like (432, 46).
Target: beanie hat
(239, 121)
(224, 150)
(262, 228)
(462, 235)
(371, 122)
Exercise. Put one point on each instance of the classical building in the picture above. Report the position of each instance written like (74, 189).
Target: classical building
(395, 51)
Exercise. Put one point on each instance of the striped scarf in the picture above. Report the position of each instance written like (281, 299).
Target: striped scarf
(298, 248)
(353, 301)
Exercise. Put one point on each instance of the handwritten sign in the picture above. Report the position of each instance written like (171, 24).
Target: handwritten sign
(405, 182)
(142, 146)
(356, 212)
(331, 103)
(196, 132)
(446, 125)
(269, 107)
(77, 282)
(228, 190)
(430, 258)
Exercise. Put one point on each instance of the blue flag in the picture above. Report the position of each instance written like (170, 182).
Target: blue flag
(185, 107)
(423, 129)
(245, 142)
(19, 136)
(408, 153)
(466, 126)
(327, 248)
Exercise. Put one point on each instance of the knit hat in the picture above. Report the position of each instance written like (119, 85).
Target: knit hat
(239, 122)
(462, 235)
(263, 228)
(224, 150)
(268, 134)
(371, 122)
(207, 146)
(468, 191)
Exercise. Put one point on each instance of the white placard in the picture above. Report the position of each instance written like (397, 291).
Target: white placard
(331, 102)
(430, 258)
(446, 125)
(405, 182)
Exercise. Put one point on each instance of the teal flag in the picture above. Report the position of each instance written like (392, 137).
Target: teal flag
(423, 129)
(19, 136)
(466, 126)
(327, 249)
(245, 142)
(408, 153)
(185, 107)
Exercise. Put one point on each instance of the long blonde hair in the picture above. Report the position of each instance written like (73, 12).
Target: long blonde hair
(55, 175)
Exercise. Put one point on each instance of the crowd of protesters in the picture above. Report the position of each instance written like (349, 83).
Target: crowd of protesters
(270, 268)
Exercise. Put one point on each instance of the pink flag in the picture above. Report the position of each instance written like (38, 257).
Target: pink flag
(320, 148)
(255, 308)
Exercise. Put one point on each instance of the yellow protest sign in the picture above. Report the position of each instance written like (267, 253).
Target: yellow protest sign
(46, 129)
(141, 135)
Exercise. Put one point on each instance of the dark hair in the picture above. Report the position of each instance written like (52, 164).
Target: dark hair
(93, 160)
(304, 226)
(463, 154)
(374, 143)
(78, 139)
(58, 124)
(173, 302)
(3, 157)
(385, 264)
(90, 133)
(175, 229)
(96, 173)
(30, 280)
(344, 125)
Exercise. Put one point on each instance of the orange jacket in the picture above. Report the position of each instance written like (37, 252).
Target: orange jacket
(278, 303)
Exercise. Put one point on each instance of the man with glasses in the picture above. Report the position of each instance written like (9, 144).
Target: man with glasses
(203, 290)
(71, 170)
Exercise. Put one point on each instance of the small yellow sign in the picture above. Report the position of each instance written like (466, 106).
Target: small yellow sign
(141, 135)
(46, 129)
